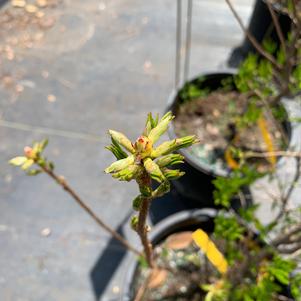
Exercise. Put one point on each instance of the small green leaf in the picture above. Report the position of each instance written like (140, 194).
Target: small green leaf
(17, 161)
(137, 202)
(33, 172)
(27, 164)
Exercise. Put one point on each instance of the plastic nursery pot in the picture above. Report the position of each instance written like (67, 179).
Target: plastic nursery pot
(188, 220)
(196, 185)
(261, 26)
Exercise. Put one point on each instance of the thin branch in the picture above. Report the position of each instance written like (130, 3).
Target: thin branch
(80, 202)
(277, 26)
(272, 154)
(287, 196)
(290, 250)
(251, 38)
(285, 238)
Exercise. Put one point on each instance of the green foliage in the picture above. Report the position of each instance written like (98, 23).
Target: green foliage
(227, 188)
(280, 269)
(251, 115)
(192, 91)
(295, 286)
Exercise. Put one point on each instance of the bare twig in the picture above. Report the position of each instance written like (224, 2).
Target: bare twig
(285, 238)
(286, 197)
(62, 182)
(251, 38)
(272, 154)
(277, 26)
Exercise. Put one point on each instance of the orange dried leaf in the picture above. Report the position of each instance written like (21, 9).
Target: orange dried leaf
(179, 241)
(230, 161)
(157, 278)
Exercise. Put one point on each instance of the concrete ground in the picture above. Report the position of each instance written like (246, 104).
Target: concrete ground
(70, 73)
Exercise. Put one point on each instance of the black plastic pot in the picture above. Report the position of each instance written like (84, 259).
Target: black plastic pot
(261, 26)
(196, 185)
(181, 221)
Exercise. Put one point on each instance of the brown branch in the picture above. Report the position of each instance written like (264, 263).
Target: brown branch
(272, 154)
(277, 26)
(285, 238)
(80, 202)
(251, 38)
(142, 231)
(287, 196)
(290, 250)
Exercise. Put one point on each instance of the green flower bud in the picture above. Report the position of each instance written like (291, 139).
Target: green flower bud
(116, 149)
(137, 202)
(150, 123)
(173, 145)
(134, 222)
(170, 159)
(29, 152)
(128, 173)
(143, 146)
(172, 174)
(122, 140)
(120, 164)
(153, 170)
(161, 128)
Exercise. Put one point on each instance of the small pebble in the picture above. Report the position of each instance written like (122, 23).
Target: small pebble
(45, 74)
(116, 289)
(147, 65)
(46, 232)
(30, 8)
(18, 3)
(51, 98)
(19, 88)
(101, 6)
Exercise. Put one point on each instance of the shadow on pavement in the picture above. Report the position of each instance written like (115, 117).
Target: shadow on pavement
(107, 263)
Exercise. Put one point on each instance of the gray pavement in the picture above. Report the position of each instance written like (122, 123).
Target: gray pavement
(100, 65)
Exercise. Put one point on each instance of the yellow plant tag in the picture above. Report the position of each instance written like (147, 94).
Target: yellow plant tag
(208, 247)
(266, 138)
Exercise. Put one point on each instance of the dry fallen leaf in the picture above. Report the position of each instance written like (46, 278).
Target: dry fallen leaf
(51, 98)
(18, 3)
(30, 8)
(47, 22)
(40, 14)
(179, 241)
(42, 3)
(157, 278)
